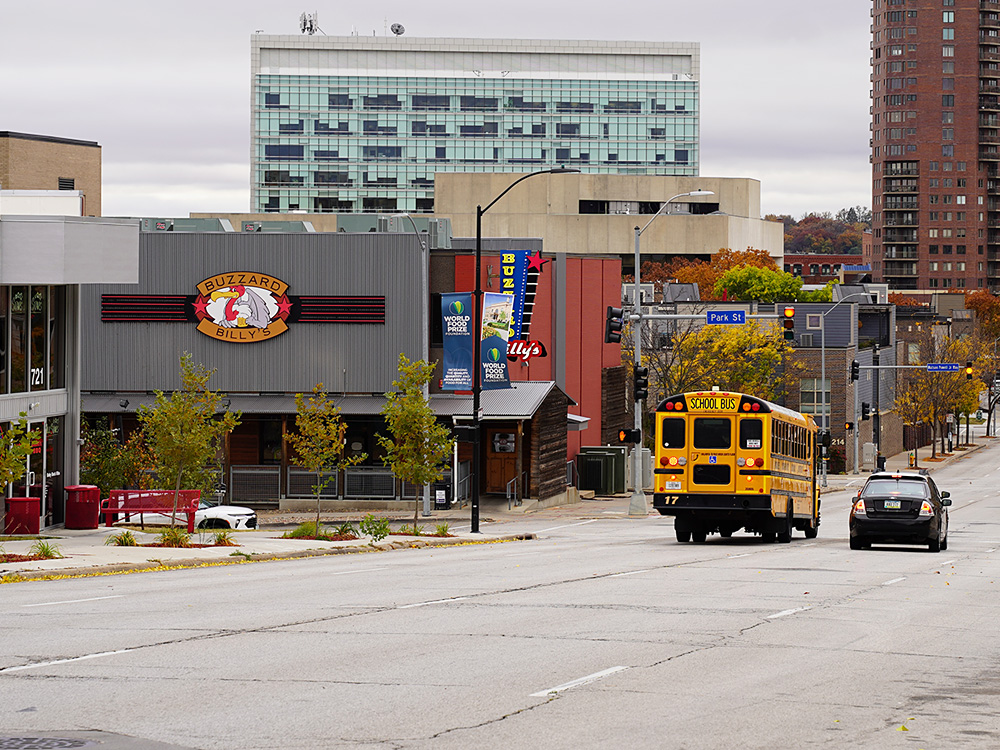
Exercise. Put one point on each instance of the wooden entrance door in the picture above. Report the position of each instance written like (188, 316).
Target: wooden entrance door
(501, 458)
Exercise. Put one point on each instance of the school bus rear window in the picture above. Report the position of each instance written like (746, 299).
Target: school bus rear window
(713, 433)
(672, 433)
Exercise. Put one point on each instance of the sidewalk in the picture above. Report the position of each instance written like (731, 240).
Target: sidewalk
(901, 462)
(84, 552)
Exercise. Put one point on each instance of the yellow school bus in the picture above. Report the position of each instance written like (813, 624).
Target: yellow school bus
(729, 461)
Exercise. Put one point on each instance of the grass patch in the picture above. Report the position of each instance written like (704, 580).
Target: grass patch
(124, 538)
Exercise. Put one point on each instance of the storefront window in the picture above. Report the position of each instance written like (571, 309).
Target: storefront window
(56, 378)
(4, 299)
(39, 338)
(18, 339)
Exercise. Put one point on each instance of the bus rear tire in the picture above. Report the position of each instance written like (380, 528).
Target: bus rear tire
(699, 536)
(785, 534)
(682, 536)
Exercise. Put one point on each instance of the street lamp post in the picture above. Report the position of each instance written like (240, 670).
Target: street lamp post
(822, 377)
(637, 504)
(477, 338)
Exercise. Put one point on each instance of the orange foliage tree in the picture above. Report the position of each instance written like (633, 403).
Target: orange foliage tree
(705, 273)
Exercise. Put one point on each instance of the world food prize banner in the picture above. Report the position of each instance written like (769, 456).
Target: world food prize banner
(456, 329)
(497, 312)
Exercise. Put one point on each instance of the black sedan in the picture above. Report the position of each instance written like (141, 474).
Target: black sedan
(900, 508)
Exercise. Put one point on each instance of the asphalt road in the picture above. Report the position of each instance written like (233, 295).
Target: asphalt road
(603, 632)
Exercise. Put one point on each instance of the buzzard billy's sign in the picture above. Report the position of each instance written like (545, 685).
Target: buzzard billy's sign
(242, 307)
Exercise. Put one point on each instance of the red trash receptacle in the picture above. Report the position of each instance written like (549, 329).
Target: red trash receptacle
(23, 515)
(83, 506)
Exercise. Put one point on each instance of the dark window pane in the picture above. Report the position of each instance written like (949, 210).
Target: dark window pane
(713, 433)
(711, 474)
(672, 433)
(18, 339)
(751, 434)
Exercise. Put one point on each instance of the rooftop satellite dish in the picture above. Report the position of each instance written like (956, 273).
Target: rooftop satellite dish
(397, 29)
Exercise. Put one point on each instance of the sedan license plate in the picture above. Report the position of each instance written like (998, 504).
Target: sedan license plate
(891, 505)
(671, 485)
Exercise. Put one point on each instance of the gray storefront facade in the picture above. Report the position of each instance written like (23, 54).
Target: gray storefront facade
(274, 314)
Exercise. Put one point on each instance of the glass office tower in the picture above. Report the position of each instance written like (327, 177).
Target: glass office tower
(353, 124)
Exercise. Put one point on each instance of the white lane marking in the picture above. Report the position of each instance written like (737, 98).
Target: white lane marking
(577, 682)
(568, 525)
(733, 557)
(894, 580)
(359, 570)
(65, 661)
(436, 601)
(630, 573)
(74, 601)
(787, 612)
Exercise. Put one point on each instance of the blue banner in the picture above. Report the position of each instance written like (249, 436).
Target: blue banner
(456, 330)
(497, 314)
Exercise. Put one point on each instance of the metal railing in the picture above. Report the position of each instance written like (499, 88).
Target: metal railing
(301, 483)
(255, 483)
(369, 482)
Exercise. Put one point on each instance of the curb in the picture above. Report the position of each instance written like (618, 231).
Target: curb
(242, 558)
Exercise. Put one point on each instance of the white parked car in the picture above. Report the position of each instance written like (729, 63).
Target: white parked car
(208, 516)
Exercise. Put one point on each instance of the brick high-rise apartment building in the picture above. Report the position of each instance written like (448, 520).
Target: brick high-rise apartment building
(936, 144)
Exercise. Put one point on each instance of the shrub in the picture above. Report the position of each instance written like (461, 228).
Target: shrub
(306, 530)
(223, 539)
(347, 529)
(442, 529)
(376, 528)
(45, 550)
(175, 536)
(414, 530)
(122, 539)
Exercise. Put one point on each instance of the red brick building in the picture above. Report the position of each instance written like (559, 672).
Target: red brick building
(935, 138)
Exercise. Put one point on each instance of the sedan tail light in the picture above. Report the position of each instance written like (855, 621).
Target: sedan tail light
(926, 509)
(859, 508)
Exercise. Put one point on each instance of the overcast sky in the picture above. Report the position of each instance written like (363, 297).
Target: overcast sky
(165, 87)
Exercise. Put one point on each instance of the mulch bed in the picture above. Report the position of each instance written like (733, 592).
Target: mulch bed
(324, 537)
(404, 533)
(186, 546)
(20, 558)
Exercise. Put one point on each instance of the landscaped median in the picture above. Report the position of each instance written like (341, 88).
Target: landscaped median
(89, 556)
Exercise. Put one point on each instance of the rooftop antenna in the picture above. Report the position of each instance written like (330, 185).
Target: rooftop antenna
(397, 29)
(309, 23)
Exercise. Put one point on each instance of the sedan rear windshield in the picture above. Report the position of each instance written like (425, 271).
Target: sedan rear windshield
(897, 488)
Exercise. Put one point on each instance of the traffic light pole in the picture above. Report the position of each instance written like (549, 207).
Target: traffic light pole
(637, 504)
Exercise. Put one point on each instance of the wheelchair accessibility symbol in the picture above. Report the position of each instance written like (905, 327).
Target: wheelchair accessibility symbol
(712, 459)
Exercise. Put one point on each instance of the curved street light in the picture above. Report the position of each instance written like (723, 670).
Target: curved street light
(477, 385)
(637, 504)
(822, 382)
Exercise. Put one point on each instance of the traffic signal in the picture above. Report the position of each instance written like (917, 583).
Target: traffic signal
(968, 371)
(613, 325)
(629, 436)
(789, 323)
(640, 383)
(825, 438)
(866, 410)
(849, 426)
(855, 370)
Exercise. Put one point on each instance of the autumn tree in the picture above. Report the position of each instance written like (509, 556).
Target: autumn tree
(704, 273)
(685, 356)
(417, 445)
(930, 397)
(987, 309)
(184, 430)
(16, 444)
(113, 464)
(319, 441)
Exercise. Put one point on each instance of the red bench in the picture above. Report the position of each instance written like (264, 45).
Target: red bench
(127, 502)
